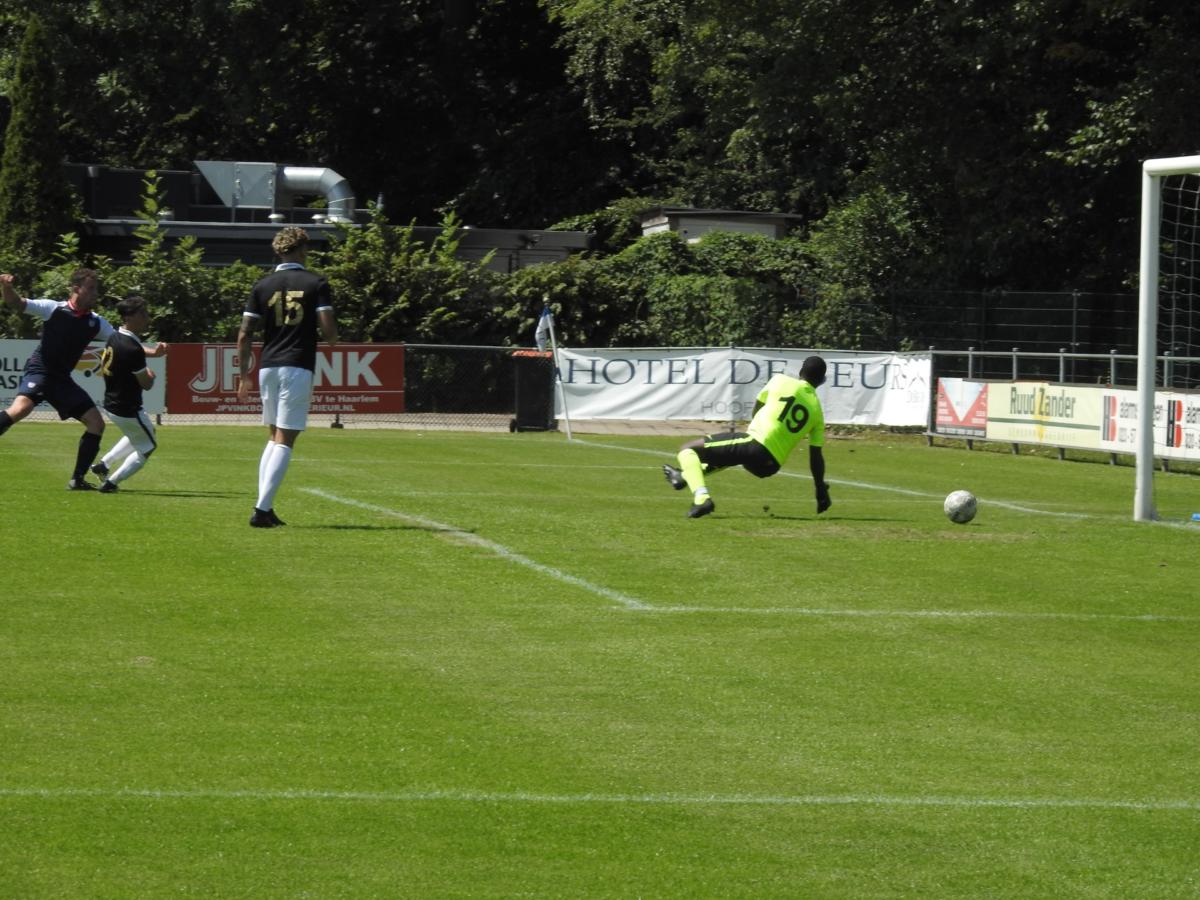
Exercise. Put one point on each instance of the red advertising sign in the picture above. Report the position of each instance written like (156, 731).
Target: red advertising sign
(961, 407)
(349, 378)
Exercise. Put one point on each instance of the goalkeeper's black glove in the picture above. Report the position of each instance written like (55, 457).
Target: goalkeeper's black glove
(823, 501)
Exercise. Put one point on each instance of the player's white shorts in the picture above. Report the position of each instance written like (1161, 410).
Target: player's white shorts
(286, 392)
(139, 430)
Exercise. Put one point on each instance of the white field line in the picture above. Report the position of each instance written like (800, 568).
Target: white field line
(625, 602)
(917, 613)
(499, 549)
(892, 489)
(868, 486)
(616, 799)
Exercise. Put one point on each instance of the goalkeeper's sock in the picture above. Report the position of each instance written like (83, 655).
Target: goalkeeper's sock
(700, 496)
(692, 469)
(5, 422)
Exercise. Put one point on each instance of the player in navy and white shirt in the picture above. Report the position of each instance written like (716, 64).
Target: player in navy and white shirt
(291, 304)
(126, 376)
(70, 326)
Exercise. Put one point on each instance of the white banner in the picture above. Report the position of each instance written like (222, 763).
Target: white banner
(720, 385)
(13, 355)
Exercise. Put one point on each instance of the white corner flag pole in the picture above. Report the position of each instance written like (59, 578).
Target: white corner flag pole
(562, 394)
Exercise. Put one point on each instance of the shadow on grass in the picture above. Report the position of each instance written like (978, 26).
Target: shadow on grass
(183, 494)
(767, 517)
(428, 528)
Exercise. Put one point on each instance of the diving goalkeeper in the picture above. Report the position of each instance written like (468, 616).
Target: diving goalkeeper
(786, 410)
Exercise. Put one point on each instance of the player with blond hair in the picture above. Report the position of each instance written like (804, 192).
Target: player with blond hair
(291, 304)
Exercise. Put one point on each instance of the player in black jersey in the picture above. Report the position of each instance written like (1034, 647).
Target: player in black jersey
(126, 375)
(291, 304)
(70, 326)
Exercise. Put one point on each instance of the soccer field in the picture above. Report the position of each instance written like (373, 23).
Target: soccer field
(507, 665)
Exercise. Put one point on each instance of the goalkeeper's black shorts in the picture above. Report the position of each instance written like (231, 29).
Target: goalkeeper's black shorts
(736, 448)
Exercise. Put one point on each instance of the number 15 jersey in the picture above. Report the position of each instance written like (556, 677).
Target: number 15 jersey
(790, 411)
(286, 302)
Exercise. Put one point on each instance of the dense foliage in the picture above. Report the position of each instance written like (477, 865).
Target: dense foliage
(35, 204)
(929, 143)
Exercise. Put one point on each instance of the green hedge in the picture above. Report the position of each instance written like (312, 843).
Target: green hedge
(658, 290)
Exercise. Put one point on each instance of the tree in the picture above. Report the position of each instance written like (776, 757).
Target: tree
(36, 205)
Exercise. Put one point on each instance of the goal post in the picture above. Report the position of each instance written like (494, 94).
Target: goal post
(1154, 171)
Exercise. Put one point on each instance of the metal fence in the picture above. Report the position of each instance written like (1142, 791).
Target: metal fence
(1036, 321)
(462, 387)
(1112, 368)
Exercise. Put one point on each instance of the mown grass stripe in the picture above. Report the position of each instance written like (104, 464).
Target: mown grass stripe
(619, 799)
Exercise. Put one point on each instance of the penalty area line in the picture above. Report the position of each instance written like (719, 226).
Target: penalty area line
(499, 550)
(614, 799)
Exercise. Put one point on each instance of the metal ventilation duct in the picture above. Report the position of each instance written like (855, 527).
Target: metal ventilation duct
(262, 185)
(326, 182)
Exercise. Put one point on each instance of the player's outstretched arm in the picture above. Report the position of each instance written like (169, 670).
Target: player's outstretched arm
(816, 465)
(9, 293)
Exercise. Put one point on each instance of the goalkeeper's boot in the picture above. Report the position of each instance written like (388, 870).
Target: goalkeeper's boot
(261, 519)
(701, 509)
(275, 518)
(674, 477)
(109, 487)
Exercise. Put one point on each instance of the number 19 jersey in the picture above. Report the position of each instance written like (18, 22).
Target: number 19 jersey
(790, 411)
(286, 303)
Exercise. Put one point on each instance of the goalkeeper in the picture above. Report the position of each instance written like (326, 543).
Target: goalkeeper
(786, 410)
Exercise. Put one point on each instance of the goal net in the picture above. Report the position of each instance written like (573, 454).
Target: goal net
(1168, 313)
(1179, 279)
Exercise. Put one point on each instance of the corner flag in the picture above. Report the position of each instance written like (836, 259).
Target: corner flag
(544, 326)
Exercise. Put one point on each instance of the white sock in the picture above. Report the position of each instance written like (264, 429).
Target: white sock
(262, 466)
(700, 496)
(273, 471)
(120, 448)
(132, 464)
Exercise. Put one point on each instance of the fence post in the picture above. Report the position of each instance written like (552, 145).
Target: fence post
(931, 415)
(1062, 365)
(970, 364)
(732, 417)
(1075, 318)
(1014, 360)
(1168, 368)
(1112, 367)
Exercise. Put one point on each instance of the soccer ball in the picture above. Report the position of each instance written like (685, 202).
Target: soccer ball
(960, 507)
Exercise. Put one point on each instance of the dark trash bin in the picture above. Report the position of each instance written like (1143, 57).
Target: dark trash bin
(533, 372)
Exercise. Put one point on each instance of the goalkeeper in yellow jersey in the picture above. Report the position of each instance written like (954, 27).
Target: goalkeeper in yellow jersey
(786, 411)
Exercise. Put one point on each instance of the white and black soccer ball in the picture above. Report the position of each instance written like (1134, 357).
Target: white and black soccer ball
(960, 507)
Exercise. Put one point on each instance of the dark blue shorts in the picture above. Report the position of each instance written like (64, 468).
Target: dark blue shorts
(69, 400)
(736, 448)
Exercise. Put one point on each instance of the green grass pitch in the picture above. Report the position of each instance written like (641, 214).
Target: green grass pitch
(493, 665)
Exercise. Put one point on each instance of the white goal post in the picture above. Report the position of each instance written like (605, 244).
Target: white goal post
(1153, 173)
